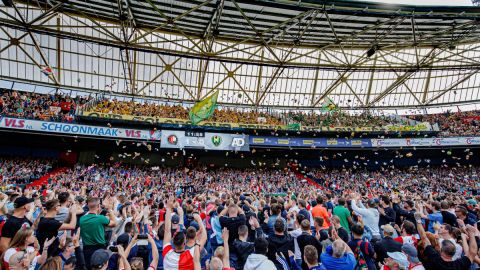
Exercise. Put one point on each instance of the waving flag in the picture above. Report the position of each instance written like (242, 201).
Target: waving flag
(47, 71)
(203, 109)
(328, 105)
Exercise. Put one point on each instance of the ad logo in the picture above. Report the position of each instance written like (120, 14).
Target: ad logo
(238, 142)
(216, 140)
(172, 139)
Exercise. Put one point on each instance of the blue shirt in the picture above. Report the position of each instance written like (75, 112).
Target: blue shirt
(217, 229)
(435, 217)
(347, 262)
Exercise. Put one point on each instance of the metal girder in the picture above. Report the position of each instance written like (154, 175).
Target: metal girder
(425, 61)
(208, 42)
(115, 42)
(172, 20)
(452, 86)
(264, 43)
(35, 43)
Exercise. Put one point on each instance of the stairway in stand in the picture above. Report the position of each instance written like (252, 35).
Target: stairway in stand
(44, 179)
(302, 175)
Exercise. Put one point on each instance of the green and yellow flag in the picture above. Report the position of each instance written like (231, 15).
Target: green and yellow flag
(203, 109)
(328, 105)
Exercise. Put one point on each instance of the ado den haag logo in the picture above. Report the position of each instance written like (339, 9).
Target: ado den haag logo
(172, 139)
(216, 140)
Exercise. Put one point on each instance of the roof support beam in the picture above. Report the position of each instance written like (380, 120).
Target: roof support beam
(425, 61)
(36, 45)
(370, 82)
(452, 86)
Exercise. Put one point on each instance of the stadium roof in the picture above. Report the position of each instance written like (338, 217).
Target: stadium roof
(263, 53)
(306, 23)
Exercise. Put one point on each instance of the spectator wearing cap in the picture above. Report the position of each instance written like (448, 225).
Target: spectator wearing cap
(370, 215)
(387, 244)
(22, 207)
(395, 260)
(411, 252)
(92, 226)
(99, 259)
(48, 226)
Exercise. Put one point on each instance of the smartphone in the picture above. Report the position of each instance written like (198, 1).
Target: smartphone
(142, 236)
(113, 249)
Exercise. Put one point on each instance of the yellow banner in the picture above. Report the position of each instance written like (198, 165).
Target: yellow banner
(159, 120)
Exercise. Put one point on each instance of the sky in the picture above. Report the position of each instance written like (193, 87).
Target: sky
(427, 2)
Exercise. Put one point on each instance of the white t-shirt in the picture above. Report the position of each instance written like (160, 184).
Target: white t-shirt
(174, 260)
(11, 251)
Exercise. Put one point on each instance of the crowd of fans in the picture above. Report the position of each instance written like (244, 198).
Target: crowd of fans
(180, 112)
(39, 106)
(116, 216)
(455, 124)
(339, 118)
(21, 171)
(63, 108)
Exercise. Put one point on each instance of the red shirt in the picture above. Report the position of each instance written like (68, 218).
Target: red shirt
(176, 260)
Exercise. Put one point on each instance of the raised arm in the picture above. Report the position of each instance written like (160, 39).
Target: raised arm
(472, 243)
(361, 211)
(123, 262)
(421, 230)
(226, 249)
(202, 231)
(167, 236)
(155, 255)
(73, 219)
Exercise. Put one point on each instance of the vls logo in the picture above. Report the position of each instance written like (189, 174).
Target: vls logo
(216, 140)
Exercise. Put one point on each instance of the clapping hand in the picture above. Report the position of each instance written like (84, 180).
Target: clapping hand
(225, 235)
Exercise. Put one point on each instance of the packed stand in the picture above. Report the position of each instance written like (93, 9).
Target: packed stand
(22, 171)
(114, 216)
(177, 111)
(339, 118)
(454, 123)
(39, 106)
(60, 107)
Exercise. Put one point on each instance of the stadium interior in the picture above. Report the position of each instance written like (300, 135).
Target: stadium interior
(218, 100)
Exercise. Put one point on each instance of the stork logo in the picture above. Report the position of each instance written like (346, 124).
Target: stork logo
(172, 139)
(216, 140)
